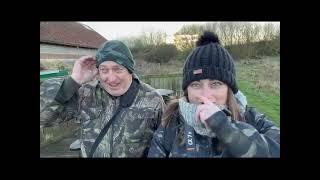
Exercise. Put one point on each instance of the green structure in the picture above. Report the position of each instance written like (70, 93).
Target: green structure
(47, 74)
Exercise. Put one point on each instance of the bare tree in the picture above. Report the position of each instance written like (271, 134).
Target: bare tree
(268, 31)
(190, 29)
(238, 34)
(213, 27)
(228, 32)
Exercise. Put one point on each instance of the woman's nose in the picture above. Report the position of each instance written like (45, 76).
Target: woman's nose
(209, 94)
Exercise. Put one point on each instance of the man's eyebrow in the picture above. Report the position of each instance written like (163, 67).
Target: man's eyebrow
(117, 66)
(114, 66)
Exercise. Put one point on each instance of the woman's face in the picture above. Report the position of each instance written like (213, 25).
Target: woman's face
(216, 91)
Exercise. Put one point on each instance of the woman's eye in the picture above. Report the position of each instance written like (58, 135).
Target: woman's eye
(216, 83)
(195, 85)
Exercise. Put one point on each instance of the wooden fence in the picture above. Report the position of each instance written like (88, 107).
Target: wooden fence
(165, 81)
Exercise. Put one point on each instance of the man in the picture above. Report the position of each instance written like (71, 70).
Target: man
(118, 113)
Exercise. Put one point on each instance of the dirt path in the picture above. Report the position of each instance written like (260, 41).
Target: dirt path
(59, 149)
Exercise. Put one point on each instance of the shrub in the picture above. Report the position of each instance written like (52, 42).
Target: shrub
(161, 53)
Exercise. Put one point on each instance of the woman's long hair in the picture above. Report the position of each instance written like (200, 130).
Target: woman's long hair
(171, 111)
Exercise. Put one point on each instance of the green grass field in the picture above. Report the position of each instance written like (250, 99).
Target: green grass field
(266, 103)
(259, 80)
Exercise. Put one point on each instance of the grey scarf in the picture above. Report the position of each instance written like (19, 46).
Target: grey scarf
(188, 111)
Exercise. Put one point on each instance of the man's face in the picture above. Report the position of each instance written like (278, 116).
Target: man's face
(114, 78)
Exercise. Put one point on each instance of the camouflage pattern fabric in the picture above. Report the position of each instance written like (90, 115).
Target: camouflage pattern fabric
(131, 133)
(257, 137)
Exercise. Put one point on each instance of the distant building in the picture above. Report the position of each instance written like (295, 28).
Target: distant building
(68, 40)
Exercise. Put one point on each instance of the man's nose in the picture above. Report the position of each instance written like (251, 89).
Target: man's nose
(111, 77)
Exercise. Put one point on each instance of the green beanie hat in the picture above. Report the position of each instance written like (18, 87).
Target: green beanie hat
(116, 51)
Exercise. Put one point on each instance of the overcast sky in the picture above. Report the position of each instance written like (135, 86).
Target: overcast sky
(116, 30)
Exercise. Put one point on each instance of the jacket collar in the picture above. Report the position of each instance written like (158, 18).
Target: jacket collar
(128, 97)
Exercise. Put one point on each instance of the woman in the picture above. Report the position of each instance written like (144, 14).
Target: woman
(208, 121)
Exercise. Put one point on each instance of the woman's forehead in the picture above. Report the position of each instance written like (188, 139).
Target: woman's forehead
(207, 80)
